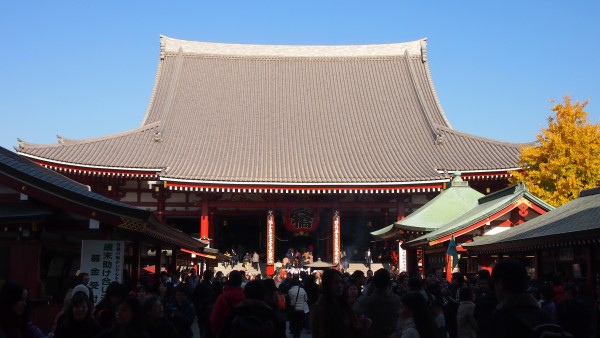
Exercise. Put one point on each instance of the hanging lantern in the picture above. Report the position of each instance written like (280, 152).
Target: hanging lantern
(301, 220)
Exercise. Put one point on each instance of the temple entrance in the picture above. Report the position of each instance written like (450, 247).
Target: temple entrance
(243, 234)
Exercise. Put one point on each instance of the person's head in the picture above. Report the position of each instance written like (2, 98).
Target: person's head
(430, 279)
(181, 294)
(84, 278)
(115, 292)
(381, 279)
(255, 289)
(128, 310)
(369, 274)
(208, 275)
(415, 306)
(13, 298)
(175, 276)
(153, 308)
(193, 272)
(351, 292)
(235, 278)
(358, 277)
(483, 280)
(457, 279)
(81, 288)
(415, 284)
(141, 291)
(162, 288)
(332, 284)
(79, 307)
(465, 294)
(509, 278)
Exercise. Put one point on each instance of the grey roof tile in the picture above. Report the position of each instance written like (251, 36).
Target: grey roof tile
(304, 115)
(578, 218)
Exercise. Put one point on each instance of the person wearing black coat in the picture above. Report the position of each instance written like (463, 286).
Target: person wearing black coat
(76, 321)
(156, 324)
(517, 312)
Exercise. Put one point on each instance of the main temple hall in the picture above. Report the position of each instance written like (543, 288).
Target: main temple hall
(271, 147)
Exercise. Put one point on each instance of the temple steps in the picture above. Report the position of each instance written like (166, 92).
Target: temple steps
(363, 267)
(238, 266)
(353, 266)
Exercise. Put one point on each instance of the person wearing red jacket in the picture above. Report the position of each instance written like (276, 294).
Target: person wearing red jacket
(232, 295)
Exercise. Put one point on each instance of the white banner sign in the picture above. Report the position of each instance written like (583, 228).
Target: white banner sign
(103, 261)
(401, 258)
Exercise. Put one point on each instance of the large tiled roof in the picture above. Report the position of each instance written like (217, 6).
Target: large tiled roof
(574, 222)
(56, 187)
(252, 114)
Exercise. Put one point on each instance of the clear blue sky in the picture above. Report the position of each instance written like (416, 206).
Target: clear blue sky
(86, 68)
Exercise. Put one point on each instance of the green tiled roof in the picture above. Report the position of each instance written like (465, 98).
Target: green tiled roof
(488, 206)
(448, 205)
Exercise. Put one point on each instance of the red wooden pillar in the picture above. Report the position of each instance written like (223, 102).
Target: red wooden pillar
(270, 243)
(386, 220)
(486, 262)
(204, 217)
(27, 274)
(449, 264)
(158, 263)
(135, 266)
(336, 238)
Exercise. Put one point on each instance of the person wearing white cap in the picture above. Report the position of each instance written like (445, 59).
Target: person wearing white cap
(81, 288)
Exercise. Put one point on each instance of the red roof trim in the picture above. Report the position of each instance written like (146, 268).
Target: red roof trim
(305, 189)
(94, 171)
(470, 228)
(199, 254)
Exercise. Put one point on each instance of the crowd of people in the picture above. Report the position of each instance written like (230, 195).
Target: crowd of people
(504, 303)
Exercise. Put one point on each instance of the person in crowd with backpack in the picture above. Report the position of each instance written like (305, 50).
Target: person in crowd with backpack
(380, 305)
(297, 298)
(253, 317)
(452, 301)
(465, 319)
(232, 295)
(76, 321)
(181, 312)
(331, 316)
(485, 302)
(573, 316)
(547, 304)
(204, 298)
(275, 300)
(156, 324)
(517, 312)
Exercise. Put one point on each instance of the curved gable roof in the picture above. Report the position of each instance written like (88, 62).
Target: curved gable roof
(291, 115)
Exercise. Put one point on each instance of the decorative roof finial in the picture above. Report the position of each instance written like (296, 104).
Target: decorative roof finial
(163, 43)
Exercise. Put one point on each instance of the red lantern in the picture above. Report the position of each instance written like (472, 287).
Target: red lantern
(301, 219)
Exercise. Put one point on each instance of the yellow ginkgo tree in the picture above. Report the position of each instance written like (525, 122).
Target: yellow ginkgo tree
(565, 158)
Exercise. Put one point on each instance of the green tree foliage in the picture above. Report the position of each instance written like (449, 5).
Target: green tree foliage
(565, 158)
